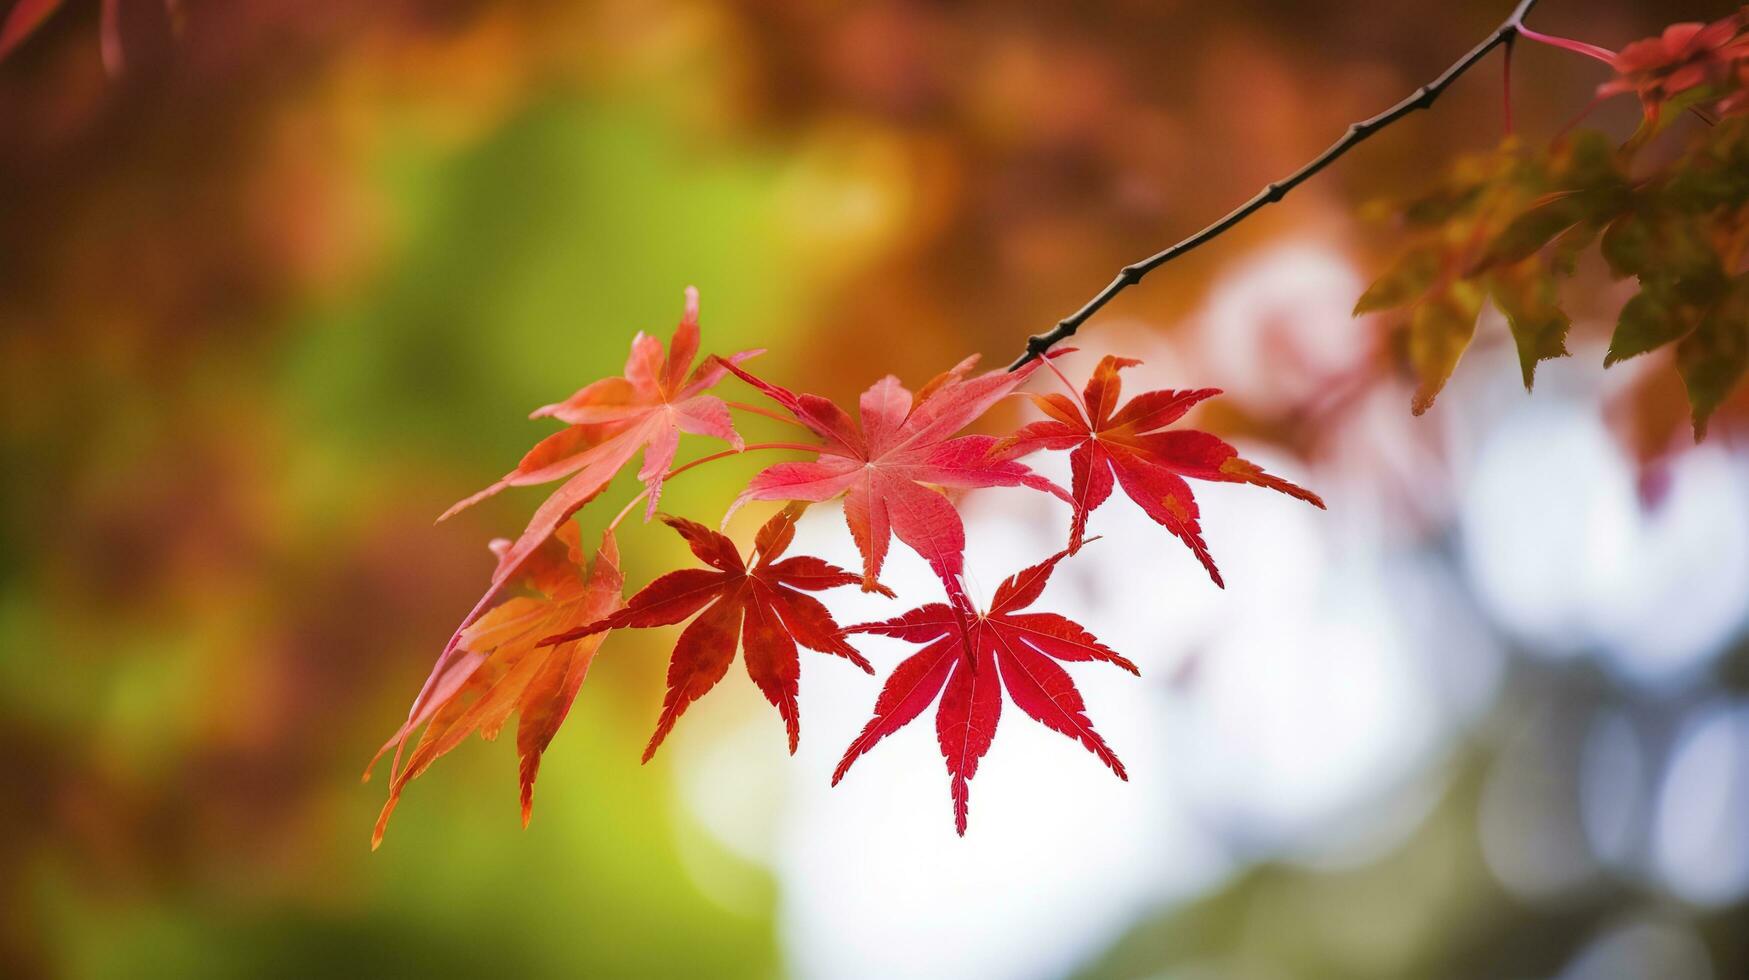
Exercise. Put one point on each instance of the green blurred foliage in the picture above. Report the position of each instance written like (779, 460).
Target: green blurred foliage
(196, 675)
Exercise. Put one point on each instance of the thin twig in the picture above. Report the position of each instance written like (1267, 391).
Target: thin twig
(1422, 98)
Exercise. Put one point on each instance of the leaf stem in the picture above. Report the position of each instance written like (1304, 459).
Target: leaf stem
(1568, 44)
(761, 410)
(1074, 396)
(1506, 82)
(1421, 98)
(713, 457)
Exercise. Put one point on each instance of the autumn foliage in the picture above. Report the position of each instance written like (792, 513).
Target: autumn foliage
(1503, 227)
(1509, 225)
(894, 462)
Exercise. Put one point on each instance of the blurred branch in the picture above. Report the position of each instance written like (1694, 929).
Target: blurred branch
(1421, 98)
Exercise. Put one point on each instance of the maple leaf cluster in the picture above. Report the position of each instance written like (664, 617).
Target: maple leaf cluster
(893, 463)
(1507, 226)
(1503, 227)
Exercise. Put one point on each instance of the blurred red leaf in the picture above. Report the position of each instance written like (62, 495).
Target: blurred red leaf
(22, 21)
(1681, 61)
(127, 31)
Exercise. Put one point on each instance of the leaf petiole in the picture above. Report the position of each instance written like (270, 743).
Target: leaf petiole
(1074, 396)
(760, 410)
(713, 457)
(1568, 44)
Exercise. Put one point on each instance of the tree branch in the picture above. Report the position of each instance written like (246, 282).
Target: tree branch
(1421, 98)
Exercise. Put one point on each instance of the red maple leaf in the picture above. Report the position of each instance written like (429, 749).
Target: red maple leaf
(762, 604)
(888, 463)
(1107, 441)
(1025, 646)
(611, 420)
(503, 667)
